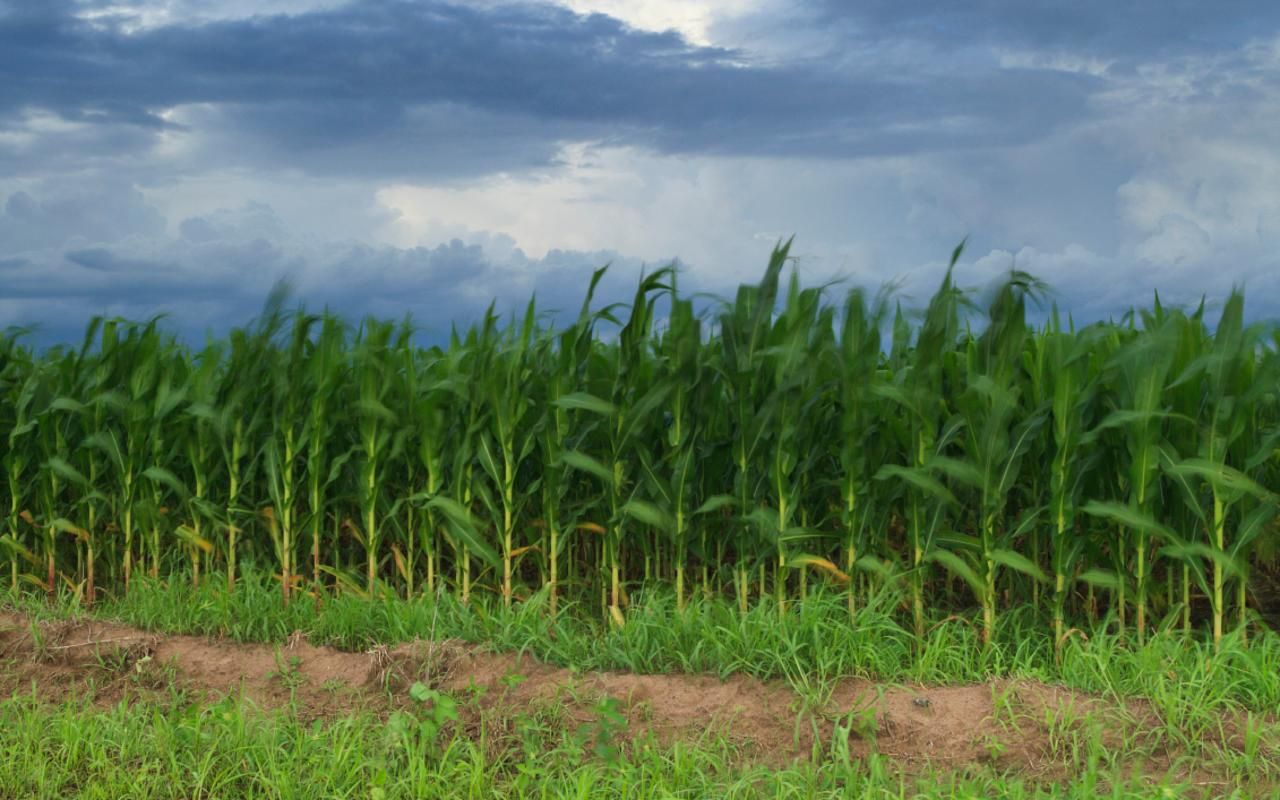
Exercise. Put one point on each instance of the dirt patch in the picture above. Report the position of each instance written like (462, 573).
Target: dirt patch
(1030, 728)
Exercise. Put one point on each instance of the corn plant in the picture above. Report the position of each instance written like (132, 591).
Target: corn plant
(1230, 389)
(993, 440)
(509, 440)
(857, 362)
(1064, 383)
(324, 451)
(923, 433)
(1140, 370)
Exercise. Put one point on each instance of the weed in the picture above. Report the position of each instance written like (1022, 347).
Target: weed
(414, 733)
(602, 734)
(288, 673)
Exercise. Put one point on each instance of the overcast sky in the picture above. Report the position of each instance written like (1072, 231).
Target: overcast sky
(429, 157)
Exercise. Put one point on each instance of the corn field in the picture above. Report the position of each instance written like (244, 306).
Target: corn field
(776, 445)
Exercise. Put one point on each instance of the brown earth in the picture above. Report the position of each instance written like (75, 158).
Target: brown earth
(1030, 728)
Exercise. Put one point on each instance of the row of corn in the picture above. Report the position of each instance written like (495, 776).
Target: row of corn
(750, 449)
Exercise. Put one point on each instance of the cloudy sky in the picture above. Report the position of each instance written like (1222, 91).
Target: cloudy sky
(428, 157)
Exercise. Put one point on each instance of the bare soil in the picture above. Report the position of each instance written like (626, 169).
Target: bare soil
(1019, 726)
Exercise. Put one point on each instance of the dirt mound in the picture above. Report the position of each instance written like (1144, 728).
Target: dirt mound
(1023, 726)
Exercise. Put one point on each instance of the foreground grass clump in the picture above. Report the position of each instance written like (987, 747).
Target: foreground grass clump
(982, 464)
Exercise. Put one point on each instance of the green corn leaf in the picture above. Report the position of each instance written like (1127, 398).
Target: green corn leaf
(164, 476)
(463, 527)
(1101, 578)
(959, 567)
(67, 472)
(715, 503)
(1127, 516)
(66, 526)
(1018, 563)
(919, 479)
(581, 401)
(876, 566)
(1193, 552)
(649, 514)
(581, 461)
(1226, 480)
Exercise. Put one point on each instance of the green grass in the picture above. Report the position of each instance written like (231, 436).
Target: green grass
(811, 647)
(224, 750)
(813, 644)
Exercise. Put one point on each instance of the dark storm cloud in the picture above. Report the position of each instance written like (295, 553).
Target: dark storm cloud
(215, 273)
(104, 213)
(457, 282)
(1093, 143)
(390, 87)
(1124, 31)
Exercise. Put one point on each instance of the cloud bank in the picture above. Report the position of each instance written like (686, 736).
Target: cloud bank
(430, 157)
